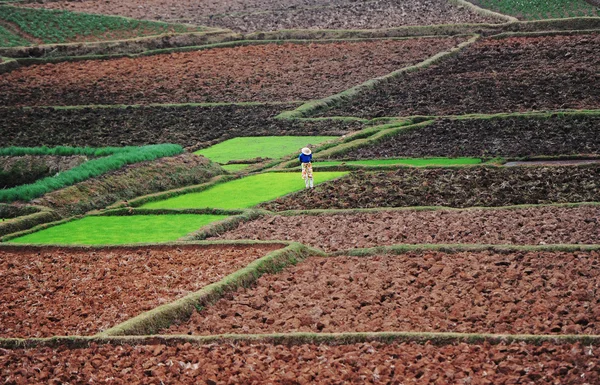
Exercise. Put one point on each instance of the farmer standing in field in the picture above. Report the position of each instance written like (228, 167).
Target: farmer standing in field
(305, 158)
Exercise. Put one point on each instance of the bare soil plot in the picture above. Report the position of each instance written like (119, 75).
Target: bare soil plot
(506, 75)
(533, 226)
(249, 16)
(470, 292)
(365, 363)
(62, 291)
(515, 136)
(189, 126)
(459, 187)
(271, 72)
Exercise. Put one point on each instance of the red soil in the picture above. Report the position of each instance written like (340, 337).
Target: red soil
(534, 225)
(366, 363)
(468, 292)
(272, 72)
(61, 291)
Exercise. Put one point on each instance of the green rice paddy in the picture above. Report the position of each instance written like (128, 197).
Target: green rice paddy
(235, 167)
(97, 230)
(243, 193)
(417, 162)
(274, 147)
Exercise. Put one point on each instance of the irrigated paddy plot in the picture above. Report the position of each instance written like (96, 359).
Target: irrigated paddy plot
(105, 230)
(83, 291)
(255, 73)
(494, 75)
(469, 292)
(243, 193)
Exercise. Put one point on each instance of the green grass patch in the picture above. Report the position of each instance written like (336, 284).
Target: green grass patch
(541, 9)
(235, 167)
(9, 39)
(101, 230)
(274, 147)
(244, 192)
(418, 162)
(56, 26)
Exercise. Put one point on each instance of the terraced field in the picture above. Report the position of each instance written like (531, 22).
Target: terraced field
(541, 9)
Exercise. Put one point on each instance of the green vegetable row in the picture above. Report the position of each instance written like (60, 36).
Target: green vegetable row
(9, 39)
(541, 9)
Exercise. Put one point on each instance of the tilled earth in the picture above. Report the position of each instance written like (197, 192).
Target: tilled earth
(271, 72)
(535, 225)
(189, 126)
(468, 292)
(249, 16)
(494, 75)
(364, 363)
(452, 187)
(59, 291)
(515, 136)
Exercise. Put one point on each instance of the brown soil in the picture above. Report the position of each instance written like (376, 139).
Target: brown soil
(248, 16)
(61, 291)
(505, 75)
(458, 187)
(129, 182)
(286, 72)
(366, 363)
(529, 226)
(469, 292)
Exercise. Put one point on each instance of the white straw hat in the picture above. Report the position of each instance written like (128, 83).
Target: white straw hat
(306, 151)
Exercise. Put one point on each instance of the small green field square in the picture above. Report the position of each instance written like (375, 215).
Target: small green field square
(99, 230)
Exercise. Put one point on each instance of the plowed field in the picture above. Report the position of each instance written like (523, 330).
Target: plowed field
(188, 126)
(286, 72)
(515, 293)
(535, 225)
(287, 14)
(367, 363)
(506, 75)
(516, 136)
(464, 187)
(51, 291)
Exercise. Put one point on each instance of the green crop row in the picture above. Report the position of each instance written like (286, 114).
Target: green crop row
(56, 26)
(9, 39)
(541, 9)
(114, 160)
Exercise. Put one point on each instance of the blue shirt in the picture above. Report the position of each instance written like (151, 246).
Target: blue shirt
(305, 158)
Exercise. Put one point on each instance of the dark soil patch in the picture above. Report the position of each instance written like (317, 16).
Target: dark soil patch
(367, 363)
(459, 187)
(516, 136)
(570, 162)
(130, 182)
(259, 73)
(192, 127)
(506, 75)
(18, 170)
(469, 292)
(60, 291)
(530, 226)
(248, 16)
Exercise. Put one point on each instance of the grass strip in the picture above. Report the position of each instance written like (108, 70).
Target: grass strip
(112, 230)
(27, 221)
(114, 160)
(289, 339)
(318, 106)
(244, 192)
(273, 147)
(225, 225)
(163, 316)
(235, 167)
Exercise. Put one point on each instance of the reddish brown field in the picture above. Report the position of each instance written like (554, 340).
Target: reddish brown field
(468, 292)
(366, 363)
(533, 226)
(60, 291)
(272, 72)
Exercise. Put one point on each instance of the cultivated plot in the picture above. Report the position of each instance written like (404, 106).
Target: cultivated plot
(493, 75)
(106, 230)
(255, 73)
(75, 291)
(340, 231)
(416, 162)
(541, 9)
(243, 193)
(458, 187)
